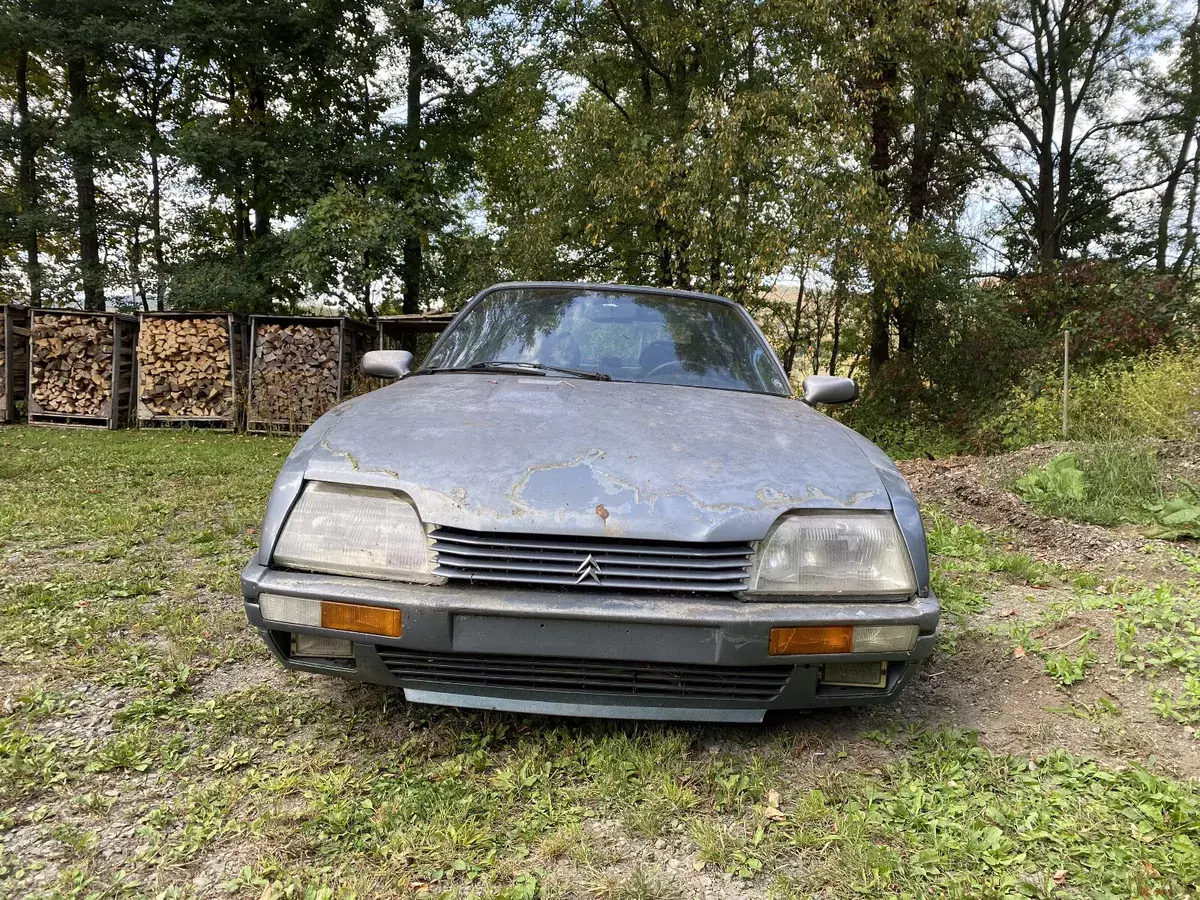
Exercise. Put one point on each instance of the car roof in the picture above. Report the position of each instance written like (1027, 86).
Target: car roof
(604, 286)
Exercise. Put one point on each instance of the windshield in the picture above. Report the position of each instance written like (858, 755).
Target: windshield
(628, 336)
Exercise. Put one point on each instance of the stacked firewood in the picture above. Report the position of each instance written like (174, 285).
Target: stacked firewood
(71, 364)
(185, 368)
(294, 376)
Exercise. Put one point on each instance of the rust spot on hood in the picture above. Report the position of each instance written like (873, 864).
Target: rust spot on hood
(602, 512)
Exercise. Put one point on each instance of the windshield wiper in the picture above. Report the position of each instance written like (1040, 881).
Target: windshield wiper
(543, 368)
(517, 368)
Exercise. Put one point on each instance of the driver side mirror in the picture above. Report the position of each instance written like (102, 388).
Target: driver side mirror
(829, 389)
(386, 363)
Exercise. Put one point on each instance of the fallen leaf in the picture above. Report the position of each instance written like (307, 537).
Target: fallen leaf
(1018, 652)
(698, 865)
(1004, 614)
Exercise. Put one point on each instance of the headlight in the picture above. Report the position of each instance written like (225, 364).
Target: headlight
(346, 530)
(830, 553)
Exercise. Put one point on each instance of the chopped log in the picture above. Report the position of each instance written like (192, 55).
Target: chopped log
(294, 374)
(71, 365)
(185, 368)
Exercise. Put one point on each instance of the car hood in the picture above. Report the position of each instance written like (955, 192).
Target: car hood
(535, 454)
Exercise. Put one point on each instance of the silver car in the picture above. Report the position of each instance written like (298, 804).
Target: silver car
(596, 500)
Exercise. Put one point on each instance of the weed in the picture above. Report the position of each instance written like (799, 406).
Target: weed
(1176, 518)
(1069, 669)
(1104, 484)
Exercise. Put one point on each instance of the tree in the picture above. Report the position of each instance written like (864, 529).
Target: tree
(1174, 147)
(80, 42)
(348, 241)
(1054, 73)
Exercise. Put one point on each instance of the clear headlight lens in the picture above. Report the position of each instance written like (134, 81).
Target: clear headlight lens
(343, 530)
(831, 553)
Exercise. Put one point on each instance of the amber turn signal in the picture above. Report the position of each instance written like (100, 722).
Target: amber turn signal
(811, 639)
(363, 619)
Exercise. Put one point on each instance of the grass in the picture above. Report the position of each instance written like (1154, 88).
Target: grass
(1100, 484)
(150, 748)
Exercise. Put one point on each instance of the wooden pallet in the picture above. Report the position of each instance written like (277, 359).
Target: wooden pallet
(350, 340)
(14, 359)
(149, 407)
(116, 409)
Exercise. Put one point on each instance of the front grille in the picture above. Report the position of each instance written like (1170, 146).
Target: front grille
(642, 679)
(592, 562)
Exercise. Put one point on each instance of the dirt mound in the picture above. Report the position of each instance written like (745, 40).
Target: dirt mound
(965, 488)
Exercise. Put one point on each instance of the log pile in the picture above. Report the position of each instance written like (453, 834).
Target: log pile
(71, 365)
(294, 374)
(185, 368)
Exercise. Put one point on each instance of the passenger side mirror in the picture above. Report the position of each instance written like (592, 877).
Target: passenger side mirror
(829, 389)
(387, 363)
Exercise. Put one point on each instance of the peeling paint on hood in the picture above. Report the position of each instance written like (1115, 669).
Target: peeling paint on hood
(544, 454)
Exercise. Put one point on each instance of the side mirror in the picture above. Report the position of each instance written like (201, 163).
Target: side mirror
(829, 389)
(387, 363)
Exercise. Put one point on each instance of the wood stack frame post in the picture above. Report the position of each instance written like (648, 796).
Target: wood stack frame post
(392, 331)
(123, 382)
(14, 381)
(239, 356)
(354, 339)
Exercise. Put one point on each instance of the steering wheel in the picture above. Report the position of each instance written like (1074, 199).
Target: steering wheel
(671, 365)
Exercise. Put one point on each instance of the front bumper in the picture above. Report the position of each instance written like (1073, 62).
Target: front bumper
(615, 655)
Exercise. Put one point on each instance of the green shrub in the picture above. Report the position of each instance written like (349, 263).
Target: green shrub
(1178, 517)
(1113, 310)
(1105, 484)
(1059, 481)
(1152, 396)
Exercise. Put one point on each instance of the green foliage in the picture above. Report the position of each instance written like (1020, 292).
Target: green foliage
(1113, 311)
(1178, 517)
(954, 820)
(1104, 484)
(1067, 669)
(1056, 483)
(929, 401)
(1156, 395)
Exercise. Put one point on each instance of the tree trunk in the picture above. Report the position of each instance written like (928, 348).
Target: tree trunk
(410, 268)
(789, 358)
(883, 133)
(156, 228)
(156, 185)
(1066, 165)
(1183, 261)
(836, 338)
(27, 181)
(83, 168)
(1045, 221)
(135, 265)
(260, 194)
(1191, 110)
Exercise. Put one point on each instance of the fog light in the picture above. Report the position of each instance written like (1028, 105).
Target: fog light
(855, 674)
(327, 614)
(843, 639)
(319, 645)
